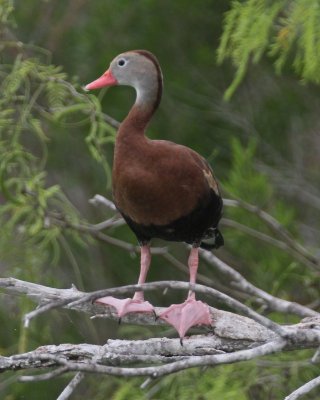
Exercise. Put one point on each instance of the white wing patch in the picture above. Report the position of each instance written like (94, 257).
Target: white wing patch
(211, 181)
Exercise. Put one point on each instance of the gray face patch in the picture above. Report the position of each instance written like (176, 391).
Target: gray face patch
(135, 70)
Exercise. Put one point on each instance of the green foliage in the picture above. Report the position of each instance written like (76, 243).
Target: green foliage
(287, 31)
(35, 98)
(199, 385)
(189, 385)
(100, 134)
(6, 8)
(22, 179)
(38, 103)
(227, 382)
(299, 31)
(243, 180)
(272, 269)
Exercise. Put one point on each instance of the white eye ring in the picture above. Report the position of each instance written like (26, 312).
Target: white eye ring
(122, 62)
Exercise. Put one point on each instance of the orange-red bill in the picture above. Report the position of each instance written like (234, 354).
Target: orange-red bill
(107, 79)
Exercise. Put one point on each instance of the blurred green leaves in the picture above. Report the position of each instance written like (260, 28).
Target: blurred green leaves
(6, 8)
(36, 98)
(287, 31)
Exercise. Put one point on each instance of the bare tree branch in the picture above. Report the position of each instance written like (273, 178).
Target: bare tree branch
(225, 324)
(75, 360)
(67, 392)
(316, 357)
(306, 388)
(275, 225)
(256, 234)
(98, 199)
(239, 282)
(270, 240)
(44, 377)
(95, 365)
(196, 351)
(234, 338)
(76, 299)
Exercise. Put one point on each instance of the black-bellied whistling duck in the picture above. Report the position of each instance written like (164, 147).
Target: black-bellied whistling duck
(162, 189)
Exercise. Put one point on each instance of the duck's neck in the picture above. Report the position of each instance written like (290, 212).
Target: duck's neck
(149, 91)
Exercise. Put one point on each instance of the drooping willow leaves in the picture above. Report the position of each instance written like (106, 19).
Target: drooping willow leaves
(286, 31)
(35, 97)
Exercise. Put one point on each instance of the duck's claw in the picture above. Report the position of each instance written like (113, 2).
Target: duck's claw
(183, 316)
(126, 306)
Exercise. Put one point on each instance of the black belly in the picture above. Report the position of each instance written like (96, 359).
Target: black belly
(200, 224)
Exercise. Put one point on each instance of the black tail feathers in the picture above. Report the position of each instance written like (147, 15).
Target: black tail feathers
(213, 240)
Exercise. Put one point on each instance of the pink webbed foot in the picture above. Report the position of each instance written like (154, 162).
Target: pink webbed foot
(126, 306)
(137, 304)
(183, 316)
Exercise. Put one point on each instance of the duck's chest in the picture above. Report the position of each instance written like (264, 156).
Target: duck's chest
(148, 187)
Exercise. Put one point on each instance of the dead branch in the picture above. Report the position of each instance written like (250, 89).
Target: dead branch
(157, 354)
(233, 338)
(50, 298)
(68, 390)
(306, 388)
(305, 255)
(239, 282)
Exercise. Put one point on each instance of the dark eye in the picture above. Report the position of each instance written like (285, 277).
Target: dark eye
(121, 62)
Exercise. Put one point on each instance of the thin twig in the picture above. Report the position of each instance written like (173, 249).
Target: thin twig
(316, 357)
(98, 199)
(68, 390)
(92, 230)
(306, 388)
(109, 223)
(42, 309)
(44, 377)
(268, 239)
(239, 282)
(275, 226)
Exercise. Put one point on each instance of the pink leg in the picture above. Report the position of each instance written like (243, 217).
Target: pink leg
(192, 312)
(193, 263)
(145, 261)
(137, 303)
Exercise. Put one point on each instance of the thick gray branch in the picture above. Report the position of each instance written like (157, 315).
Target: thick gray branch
(225, 324)
(105, 359)
(197, 350)
(234, 338)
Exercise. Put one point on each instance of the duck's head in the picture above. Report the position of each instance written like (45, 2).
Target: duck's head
(138, 68)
